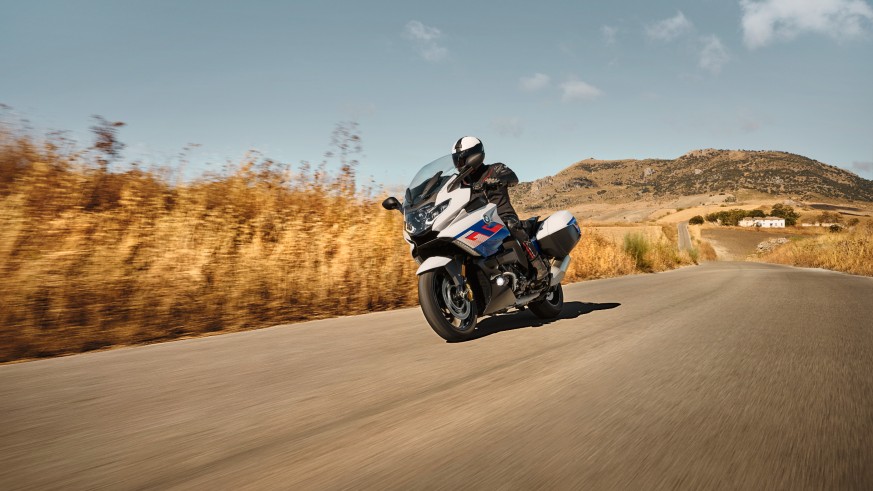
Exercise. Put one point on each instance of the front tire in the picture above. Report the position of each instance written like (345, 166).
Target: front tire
(447, 309)
(549, 307)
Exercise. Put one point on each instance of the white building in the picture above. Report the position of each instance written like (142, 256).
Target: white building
(766, 222)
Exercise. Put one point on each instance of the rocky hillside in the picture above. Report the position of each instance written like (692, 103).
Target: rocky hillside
(697, 172)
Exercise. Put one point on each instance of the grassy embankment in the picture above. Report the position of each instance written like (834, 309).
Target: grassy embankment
(92, 258)
(849, 251)
(703, 249)
(651, 248)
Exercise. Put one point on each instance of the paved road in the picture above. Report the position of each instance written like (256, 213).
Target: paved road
(727, 375)
(684, 236)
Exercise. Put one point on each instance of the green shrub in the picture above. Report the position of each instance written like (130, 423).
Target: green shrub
(636, 245)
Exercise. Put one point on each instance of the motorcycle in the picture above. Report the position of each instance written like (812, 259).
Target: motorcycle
(470, 266)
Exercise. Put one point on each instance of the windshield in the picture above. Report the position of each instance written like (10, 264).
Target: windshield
(430, 179)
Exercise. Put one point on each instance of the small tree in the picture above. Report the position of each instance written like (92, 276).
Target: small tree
(696, 220)
(828, 217)
(786, 212)
(756, 214)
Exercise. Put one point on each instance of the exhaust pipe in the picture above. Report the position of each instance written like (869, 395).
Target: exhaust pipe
(559, 270)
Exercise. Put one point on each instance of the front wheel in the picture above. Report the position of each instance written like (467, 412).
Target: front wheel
(447, 307)
(550, 306)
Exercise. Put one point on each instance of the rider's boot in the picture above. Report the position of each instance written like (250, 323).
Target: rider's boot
(536, 260)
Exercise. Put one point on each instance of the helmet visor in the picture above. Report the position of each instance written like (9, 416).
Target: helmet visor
(460, 158)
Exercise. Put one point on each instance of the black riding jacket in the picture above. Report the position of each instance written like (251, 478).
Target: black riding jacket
(500, 195)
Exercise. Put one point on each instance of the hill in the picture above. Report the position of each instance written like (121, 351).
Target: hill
(698, 172)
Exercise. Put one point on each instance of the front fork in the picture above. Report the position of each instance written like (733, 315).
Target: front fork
(468, 292)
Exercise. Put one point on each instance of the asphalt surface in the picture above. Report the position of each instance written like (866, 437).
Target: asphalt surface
(684, 236)
(727, 375)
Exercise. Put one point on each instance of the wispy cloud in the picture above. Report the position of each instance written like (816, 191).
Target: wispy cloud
(768, 20)
(418, 31)
(669, 29)
(425, 38)
(863, 167)
(577, 90)
(713, 54)
(511, 126)
(608, 33)
(537, 81)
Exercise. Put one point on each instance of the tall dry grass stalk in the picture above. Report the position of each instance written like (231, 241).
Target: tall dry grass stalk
(850, 251)
(92, 258)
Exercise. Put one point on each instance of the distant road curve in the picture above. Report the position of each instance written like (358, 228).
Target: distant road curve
(684, 236)
(725, 375)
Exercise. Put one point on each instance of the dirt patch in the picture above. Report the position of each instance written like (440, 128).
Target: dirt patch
(735, 244)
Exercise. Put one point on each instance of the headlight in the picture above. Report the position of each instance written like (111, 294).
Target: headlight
(435, 212)
(418, 221)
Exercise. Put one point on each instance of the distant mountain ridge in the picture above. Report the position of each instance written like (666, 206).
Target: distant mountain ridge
(697, 172)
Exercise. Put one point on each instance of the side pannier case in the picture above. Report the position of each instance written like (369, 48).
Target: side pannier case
(558, 234)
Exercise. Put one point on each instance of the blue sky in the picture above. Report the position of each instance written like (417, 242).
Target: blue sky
(544, 84)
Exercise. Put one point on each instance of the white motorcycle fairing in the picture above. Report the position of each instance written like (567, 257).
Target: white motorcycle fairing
(459, 197)
(480, 232)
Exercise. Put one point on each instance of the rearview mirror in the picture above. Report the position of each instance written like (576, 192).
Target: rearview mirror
(391, 203)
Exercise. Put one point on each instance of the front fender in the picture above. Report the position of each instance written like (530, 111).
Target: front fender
(432, 262)
(452, 266)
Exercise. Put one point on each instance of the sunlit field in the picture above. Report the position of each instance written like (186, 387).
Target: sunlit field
(850, 251)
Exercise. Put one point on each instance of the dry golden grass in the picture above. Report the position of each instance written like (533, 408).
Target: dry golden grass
(694, 232)
(705, 251)
(92, 258)
(671, 233)
(617, 233)
(664, 255)
(850, 251)
(598, 257)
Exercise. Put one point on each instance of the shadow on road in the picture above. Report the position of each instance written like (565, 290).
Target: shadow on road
(520, 320)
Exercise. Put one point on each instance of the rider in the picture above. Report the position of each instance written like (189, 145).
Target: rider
(494, 180)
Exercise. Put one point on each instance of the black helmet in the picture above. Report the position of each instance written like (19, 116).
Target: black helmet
(468, 153)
